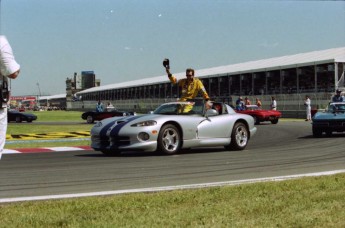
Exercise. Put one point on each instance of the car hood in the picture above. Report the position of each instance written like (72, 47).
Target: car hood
(329, 115)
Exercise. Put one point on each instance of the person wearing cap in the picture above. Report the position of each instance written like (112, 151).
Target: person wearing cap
(337, 97)
(9, 68)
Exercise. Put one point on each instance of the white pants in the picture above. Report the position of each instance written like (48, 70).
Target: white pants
(3, 128)
(308, 112)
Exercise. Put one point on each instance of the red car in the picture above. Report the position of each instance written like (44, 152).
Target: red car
(261, 115)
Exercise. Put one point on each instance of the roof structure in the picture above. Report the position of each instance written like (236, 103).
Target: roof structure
(57, 96)
(289, 61)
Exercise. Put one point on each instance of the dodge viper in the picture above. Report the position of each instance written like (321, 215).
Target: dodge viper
(172, 127)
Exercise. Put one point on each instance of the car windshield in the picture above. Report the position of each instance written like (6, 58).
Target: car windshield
(336, 108)
(181, 108)
(251, 107)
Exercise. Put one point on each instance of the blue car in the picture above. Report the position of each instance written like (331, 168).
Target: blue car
(332, 120)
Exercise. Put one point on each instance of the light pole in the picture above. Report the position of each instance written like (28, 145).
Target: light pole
(39, 92)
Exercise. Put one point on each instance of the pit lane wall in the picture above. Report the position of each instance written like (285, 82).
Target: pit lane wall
(291, 105)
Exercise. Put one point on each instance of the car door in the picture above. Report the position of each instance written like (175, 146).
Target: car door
(219, 126)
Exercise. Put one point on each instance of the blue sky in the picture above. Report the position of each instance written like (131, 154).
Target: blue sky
(123, 40)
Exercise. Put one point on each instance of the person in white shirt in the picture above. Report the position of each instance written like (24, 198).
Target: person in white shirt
(273, 104)
(307, 104)
(9, 68)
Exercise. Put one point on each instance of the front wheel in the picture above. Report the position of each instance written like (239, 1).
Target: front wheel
(169, 139)
(89, 119)
(256, 120)
(18, 119)
(274, 121)
(317, 133)
(239, 137)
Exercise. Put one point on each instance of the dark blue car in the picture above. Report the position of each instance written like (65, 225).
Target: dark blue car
(20, 116)
(332, 120)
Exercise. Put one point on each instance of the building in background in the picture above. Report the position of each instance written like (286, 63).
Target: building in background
(86, 80)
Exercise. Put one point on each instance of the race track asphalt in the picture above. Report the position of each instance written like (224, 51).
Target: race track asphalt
(287, 148)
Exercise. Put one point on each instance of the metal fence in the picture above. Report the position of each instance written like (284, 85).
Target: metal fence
(291, 105)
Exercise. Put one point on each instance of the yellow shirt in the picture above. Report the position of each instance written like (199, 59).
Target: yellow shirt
(190, 89)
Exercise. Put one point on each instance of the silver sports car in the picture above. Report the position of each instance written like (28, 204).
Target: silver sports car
(172, 127)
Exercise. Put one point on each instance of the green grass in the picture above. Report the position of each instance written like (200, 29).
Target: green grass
(307, 202)
(49, 116)
(15, 129)
(65, 116)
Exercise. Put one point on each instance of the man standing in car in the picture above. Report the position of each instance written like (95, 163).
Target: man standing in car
(190, 86)
(9, 68)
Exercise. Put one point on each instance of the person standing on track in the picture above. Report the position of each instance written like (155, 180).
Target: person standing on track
(9, 68)
(307, 104)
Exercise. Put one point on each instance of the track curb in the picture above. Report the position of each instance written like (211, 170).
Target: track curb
(45, 149)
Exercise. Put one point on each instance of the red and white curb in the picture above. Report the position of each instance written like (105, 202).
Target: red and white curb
(45, 149)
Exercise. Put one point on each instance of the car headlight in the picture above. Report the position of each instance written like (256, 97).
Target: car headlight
(144, 123)
(98, 124)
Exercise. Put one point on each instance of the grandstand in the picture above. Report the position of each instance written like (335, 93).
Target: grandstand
(288, 78)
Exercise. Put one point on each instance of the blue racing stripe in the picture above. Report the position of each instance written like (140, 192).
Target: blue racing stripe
(117, 128)
(103, 132)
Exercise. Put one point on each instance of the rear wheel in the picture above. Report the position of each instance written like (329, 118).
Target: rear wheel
(169, 139)
(239, 137)
(89, 119)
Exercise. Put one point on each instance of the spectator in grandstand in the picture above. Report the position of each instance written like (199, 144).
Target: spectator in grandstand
(307, 104)
(258, 103)
(273, 103)
(239, 104)
(99, 106)
(9, 68)
(338, 97)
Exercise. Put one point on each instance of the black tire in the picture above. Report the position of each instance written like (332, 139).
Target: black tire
(169, 140)
(274, 121)
(328, 133)
(29, 121)
(89, 119)
(256, 120)
(111, 152)
(239, 137)
(18, 119)
(317, 133)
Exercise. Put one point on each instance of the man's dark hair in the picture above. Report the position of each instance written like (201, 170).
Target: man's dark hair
(190, 70)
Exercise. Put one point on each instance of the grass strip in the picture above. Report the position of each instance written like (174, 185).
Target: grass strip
(307, 202)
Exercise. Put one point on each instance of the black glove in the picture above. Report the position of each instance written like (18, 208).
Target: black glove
(166, 63)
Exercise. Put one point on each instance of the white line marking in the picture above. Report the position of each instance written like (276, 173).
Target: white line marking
(170, 188)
